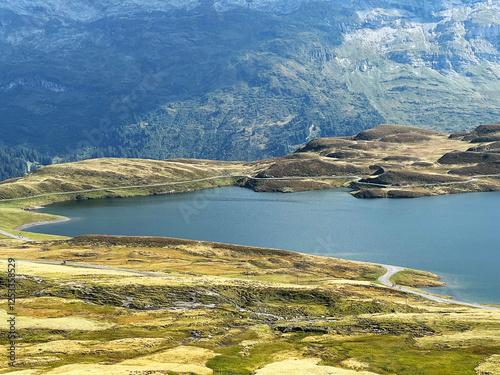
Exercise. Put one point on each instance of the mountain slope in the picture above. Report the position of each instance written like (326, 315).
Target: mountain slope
(238, 79)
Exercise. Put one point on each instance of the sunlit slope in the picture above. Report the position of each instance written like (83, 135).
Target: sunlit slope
(208, 308)
(112, 172)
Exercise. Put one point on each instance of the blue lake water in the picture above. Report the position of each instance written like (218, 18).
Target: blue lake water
(455, 236)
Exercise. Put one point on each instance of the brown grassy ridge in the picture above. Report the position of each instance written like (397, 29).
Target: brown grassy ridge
(112, 173)
(396, 150)
(210, 257)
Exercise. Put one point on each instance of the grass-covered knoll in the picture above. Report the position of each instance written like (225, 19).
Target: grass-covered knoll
(419, 279)
(310, 168)
(112, 173)
(387, 130)
(224, 309)
(12, 218)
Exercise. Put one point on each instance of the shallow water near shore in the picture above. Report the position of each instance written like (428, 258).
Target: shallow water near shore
(455, 236)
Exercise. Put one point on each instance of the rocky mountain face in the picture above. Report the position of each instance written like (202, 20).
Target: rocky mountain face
(238, 79)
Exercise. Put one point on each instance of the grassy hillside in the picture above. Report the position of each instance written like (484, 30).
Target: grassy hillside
(91, 178)
(223, 309)
(387, 161)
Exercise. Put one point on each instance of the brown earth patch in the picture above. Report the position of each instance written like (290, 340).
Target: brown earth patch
(406, 138)
(386, 130)
(479, 169)
(468, 157)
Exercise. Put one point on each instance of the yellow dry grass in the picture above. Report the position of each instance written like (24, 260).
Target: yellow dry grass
(71, 347)
(329, 338)
(438, 313)
(131, 344)
(305, 366)
(288, 355)
(61, 271)
(188, 359)
(159, 368)
(105, 173)
(29, 362)
(64, 324)
(355, 364)
(429, 151)
(193, 259)
(478, 337)
(491, 366)
(183, 355)
(76, 347)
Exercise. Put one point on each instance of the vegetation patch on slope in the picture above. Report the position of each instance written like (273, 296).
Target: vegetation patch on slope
(417, 279)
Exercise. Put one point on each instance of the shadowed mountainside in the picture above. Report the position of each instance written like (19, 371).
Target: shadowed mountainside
(234, 79)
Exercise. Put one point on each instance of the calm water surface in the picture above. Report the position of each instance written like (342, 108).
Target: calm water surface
(455, 236)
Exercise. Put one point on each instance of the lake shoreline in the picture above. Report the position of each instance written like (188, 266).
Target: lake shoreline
(383, 279)
(318, 226)
(38, 223)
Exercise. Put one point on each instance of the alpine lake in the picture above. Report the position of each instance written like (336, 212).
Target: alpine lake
(454, 236)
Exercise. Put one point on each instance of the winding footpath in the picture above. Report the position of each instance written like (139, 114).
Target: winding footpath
(384, 279)
(391, 270)
(142, 273)
(7, 234)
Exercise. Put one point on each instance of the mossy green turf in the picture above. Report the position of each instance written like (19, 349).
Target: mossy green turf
(385, 354)
(11, 218)
(398, 355)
